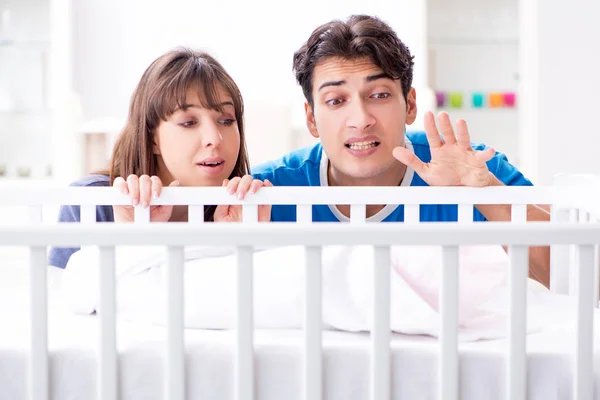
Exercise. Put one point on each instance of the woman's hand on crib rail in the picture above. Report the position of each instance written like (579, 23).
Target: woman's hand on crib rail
(141, 191)
(453, 161)
(239, 187)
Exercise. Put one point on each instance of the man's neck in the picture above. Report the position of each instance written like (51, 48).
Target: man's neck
(393, 177)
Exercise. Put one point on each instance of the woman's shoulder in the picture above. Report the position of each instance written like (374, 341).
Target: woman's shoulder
(92, 180)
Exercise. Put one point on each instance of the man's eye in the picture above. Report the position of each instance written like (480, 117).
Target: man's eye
(381, 95)
(334, 102)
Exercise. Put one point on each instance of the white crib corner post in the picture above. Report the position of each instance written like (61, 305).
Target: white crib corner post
(584, 355)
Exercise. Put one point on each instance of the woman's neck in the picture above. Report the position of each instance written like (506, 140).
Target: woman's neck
(179, 214)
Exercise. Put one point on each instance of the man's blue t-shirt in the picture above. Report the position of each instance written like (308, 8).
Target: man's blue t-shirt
(308, 167)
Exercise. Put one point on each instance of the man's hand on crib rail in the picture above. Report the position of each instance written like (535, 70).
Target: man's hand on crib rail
(141, 191)
(453, 161)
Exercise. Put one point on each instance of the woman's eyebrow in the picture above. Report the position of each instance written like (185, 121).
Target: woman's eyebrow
(222, 104)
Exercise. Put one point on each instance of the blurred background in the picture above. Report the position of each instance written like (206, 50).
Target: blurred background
(524, 74)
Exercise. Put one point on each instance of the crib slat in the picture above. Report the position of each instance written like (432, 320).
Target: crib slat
(141, 215)
(465, 213)
(517, 322)
(559, 256)
(196, 214)
(448, 389)
(313, 325)
(380, 335)
(38, 362)
(358, 213)
(411, 213)
(175, 360)
(249, 213)
(87, 214)
(304, 213)
(584, 365)
(596, 276)
(518, 213)
(245, 327)
(107, 357)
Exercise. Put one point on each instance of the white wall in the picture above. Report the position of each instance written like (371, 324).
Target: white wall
(115, 41)
(560, 80)
(24, 45)
(474, 47)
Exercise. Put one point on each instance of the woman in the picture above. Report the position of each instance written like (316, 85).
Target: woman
(185, 128)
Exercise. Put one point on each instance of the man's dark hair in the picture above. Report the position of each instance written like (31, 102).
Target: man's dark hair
(361, 36)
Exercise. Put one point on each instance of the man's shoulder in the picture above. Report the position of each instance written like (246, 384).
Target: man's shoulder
(306, 158)
(92, 180)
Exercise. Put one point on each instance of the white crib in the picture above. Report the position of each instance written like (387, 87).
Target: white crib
(573, 234)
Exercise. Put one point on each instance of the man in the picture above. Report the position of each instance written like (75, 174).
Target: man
(356, 76)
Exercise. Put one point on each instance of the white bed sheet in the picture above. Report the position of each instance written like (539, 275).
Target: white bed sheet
(210, 361)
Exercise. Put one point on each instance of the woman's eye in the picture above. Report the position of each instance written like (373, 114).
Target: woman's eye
(188, 124)
(227, 122)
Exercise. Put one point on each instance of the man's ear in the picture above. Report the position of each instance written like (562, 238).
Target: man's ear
(411, 106)
(310, 120)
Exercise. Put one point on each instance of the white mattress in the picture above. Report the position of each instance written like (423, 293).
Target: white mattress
(73, 340)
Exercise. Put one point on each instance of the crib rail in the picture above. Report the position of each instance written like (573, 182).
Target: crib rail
(245, 236)
(573, 230)
(305, 195)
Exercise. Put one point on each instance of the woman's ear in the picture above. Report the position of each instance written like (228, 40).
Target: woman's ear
(155, 146)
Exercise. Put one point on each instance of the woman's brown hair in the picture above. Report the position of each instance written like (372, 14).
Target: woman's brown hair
(160, 92)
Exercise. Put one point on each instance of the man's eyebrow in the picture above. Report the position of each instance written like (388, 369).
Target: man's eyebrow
(382, 75)
(331, 83)
(369, 78)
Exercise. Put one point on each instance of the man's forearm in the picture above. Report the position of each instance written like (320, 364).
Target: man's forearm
(539, 257)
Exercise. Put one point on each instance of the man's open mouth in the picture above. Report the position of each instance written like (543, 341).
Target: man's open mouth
(362, 145)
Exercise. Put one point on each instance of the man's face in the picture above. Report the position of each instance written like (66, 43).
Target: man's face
(360, 116)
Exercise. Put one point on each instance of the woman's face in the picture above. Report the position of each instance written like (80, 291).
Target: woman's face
(198, 146)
